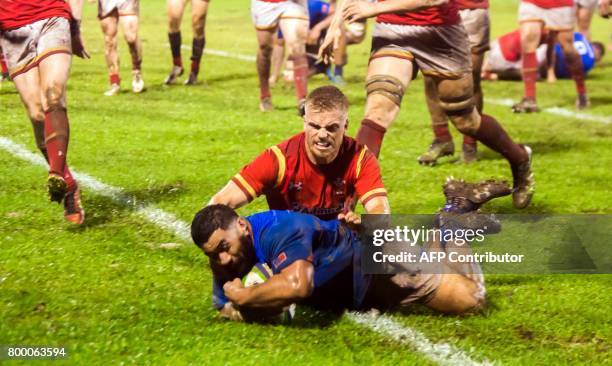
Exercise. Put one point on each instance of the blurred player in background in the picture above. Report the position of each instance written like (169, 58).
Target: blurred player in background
(319, 171)
(291, 16)
(584, 15)
(559, 17)
(176, 8)
(125, 12)
(38, 40)
(475, 18)
(4, 75)
(318, 263)
(504, 60)
(411, 35)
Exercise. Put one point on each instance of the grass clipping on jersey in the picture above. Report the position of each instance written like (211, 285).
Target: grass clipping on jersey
(259, 274)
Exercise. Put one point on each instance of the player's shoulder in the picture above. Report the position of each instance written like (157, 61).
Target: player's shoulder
(290, 146)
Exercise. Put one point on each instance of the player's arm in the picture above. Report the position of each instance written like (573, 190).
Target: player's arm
(257, 176)
(334, 32)
(231, 195)
(293, 284)
(78, 46)
(315, 32)
(358, 10)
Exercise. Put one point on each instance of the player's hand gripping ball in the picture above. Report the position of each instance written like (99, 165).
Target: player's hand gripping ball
(259, 274)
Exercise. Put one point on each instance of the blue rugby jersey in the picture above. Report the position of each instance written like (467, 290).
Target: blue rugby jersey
(283, 237)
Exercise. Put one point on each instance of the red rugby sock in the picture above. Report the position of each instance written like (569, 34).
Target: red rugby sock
(300, 76)
(441, 132)
(197, 48)
(574, 65)
(371, 134)
(469, 140)
(57, 131)
(3, 64)
(114, 79)
(492, 134)
(175, 48)
(530, 74)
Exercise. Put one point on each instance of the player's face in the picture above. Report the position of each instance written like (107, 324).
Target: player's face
(324, 133)
(232, 249)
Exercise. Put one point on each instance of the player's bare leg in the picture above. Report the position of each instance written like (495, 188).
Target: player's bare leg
(4, 72)
(295, 32)
(583, 20)
(109, 26)
(442, 145)
(175, 9)
(265, 39)
(574, 65)
(199, 9)
(278, 56)
(456, 99)
(386, 81)
(530, 39)
(129, 23)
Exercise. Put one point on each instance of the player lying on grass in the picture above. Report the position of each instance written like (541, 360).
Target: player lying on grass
(317, 263)
(176, 8)
(319, 171)
(412, 35)
(125, 12)
(38, 39)
(504, 60)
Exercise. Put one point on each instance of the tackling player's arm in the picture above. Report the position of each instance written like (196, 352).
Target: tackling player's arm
(262, 173)
(293, 284)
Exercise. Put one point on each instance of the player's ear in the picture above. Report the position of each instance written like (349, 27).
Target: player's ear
(242, 224)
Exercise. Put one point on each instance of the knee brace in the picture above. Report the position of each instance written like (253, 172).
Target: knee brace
(385, 85)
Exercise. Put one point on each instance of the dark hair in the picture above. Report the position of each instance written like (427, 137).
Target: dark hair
(601, 47)
(209, 219)
(327, 98)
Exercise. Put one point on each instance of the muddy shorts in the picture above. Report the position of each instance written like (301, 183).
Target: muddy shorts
(25, 47)
(266, 15)
(560, 19)
(478, 28)
(123, 7)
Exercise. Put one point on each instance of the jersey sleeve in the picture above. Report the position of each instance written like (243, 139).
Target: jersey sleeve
(259, 175)
(368, 180)
(287, 247)
(218, 296)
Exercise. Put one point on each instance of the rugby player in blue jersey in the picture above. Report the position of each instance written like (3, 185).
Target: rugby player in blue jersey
(317, 263)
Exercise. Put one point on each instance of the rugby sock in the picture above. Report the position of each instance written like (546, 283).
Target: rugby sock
(371, 134)
(574, 65)
(114, 79)
(338, 70)
(3, 65)
(57, 133)
(469, 140)
(441, 132)
(492, 134)
(175, 47)
(300, 76)
(263, 71)
(197, 48)
(530, 74)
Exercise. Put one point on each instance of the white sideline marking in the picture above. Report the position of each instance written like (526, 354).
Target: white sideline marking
(237, 56)
(149, 212)
(558, 111)
(442, 353)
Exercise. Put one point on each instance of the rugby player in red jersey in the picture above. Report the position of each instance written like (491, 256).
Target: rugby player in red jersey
(111, 13)
(292, 18)
(176, 8)
(475, 18)
(426, 35)
(559, 17)
(319, 171)
(38, 40)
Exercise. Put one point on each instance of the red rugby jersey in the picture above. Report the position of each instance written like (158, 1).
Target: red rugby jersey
(473, 4)
(17, 13)
(550, 4)
(447, 14)
(510, 44)
(290, 181)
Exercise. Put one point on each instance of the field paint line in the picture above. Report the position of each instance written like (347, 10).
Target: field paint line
(154, 215)
(564, 112)
(441, 353)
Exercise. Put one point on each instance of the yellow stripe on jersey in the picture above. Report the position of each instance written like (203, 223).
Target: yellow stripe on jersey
(372, 192)
(246, 185)
(361, 155)
(282, 165)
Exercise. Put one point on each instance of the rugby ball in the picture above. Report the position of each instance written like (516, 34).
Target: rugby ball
(258, 275)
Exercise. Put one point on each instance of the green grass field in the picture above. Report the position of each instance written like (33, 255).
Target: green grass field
(112, 293)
